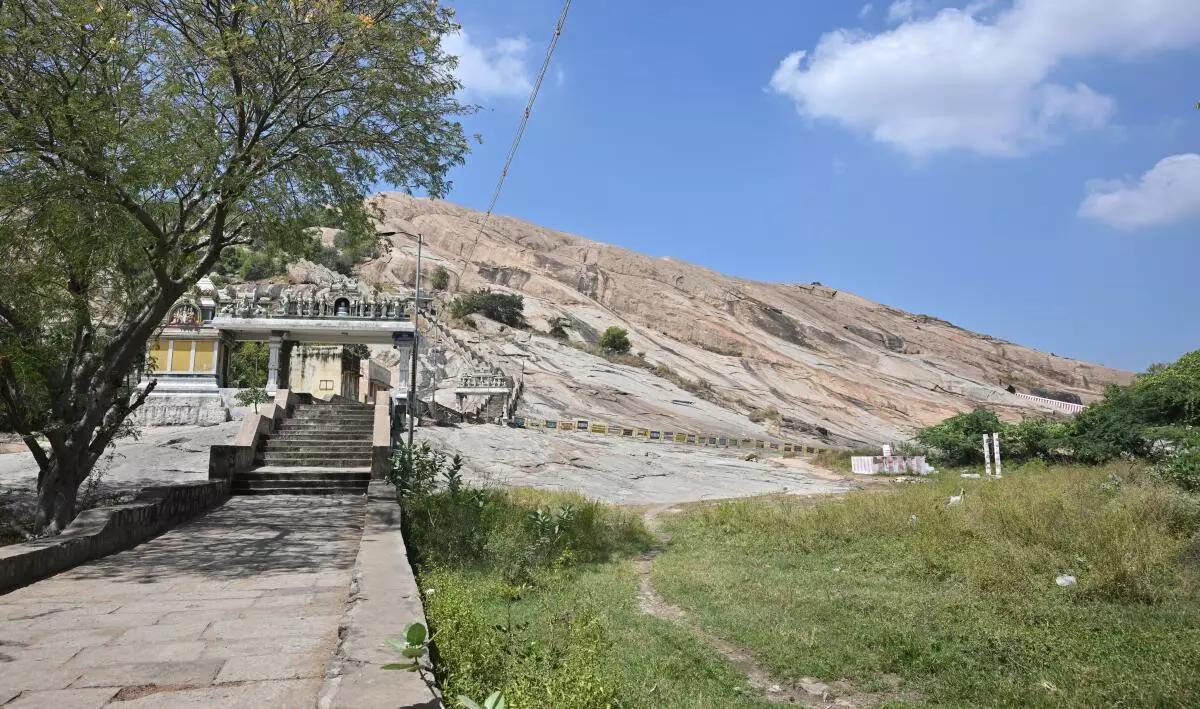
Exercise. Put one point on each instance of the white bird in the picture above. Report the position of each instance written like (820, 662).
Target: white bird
(955, 499)
(912, 518)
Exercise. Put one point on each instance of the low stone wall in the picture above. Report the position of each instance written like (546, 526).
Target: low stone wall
(105, 530)
(381, 438)
(225, 460)
(383, 598)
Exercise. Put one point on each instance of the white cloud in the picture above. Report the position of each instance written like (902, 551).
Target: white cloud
(1169, 192)
(901, 11)
(957, 80)
(498, 70)
(560, 76)
(865, 12)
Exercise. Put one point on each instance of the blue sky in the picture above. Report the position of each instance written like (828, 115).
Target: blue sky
(1029, 171)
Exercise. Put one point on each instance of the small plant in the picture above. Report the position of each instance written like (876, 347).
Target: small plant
(453, 475)
(252, 397)
(413, 647)
(495, 700)
(558, 328)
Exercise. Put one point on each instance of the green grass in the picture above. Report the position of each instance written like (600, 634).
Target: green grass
(961, 604)
(578, 637)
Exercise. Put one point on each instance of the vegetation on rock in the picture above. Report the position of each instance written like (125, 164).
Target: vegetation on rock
(439, 279)
(506, 308)
(615, 340)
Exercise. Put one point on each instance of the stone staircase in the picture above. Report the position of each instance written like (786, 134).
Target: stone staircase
(323, 449)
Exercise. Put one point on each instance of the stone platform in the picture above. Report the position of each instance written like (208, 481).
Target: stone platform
(239, 608)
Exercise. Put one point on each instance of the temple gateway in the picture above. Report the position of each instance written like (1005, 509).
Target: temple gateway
(306, 327)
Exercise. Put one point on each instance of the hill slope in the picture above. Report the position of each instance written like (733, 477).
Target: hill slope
(839, 368)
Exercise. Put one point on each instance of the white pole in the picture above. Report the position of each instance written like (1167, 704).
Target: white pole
(987, 456)
(996, 445)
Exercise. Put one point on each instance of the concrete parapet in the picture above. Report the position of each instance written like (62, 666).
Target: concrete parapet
(384, 597)
(105, 530)
(381, 438)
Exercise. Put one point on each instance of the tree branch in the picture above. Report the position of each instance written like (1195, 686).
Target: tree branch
(10, 396)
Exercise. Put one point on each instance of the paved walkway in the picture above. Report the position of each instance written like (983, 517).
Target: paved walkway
(237, 609)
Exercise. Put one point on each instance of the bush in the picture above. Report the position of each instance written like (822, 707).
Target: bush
(1181, 468)
(615, 340)
(439, 279)
(558, 328)
(507, 308)
(770, 413)
(959, 440)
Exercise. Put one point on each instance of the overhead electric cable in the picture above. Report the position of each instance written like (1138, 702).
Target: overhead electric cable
(512, 150)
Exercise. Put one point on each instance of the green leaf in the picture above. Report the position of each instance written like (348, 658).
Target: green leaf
(467, 702)
(414, 633)
(398, 666)
(397, 645)
(414, 652)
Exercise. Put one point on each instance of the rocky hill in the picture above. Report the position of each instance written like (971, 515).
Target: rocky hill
(838, 368)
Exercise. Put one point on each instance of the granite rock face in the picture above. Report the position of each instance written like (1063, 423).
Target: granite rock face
(822, 357)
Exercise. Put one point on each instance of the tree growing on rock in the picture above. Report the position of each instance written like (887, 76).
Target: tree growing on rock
(141, 138)
(615, 340)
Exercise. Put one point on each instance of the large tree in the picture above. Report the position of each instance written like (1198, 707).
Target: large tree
(140, 138)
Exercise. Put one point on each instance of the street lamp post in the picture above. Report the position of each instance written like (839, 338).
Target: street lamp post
(412, 389)
(412, 384)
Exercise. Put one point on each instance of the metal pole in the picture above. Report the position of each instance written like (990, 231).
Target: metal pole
(412, 387)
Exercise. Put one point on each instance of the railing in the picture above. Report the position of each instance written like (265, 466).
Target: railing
(1066, 406)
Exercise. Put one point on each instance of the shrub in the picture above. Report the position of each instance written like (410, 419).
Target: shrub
(959, 440)
(439, 279)
(769, 413)
(1181, 468)
(558, 328)
(507, 308)
(615, 340)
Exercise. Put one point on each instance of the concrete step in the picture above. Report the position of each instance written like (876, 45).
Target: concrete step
(335, 476)
(333, 415)
(283, 445)
(299, 484)
(327, 428)
(299, 491)
(330, 437)
(314, 423)
(316, 460)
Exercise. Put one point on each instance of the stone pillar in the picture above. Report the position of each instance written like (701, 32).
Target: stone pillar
(277, 349)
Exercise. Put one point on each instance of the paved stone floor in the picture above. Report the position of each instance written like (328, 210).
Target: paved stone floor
(239, 608)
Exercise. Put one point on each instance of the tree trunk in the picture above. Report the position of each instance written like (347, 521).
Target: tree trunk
(57, 494)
